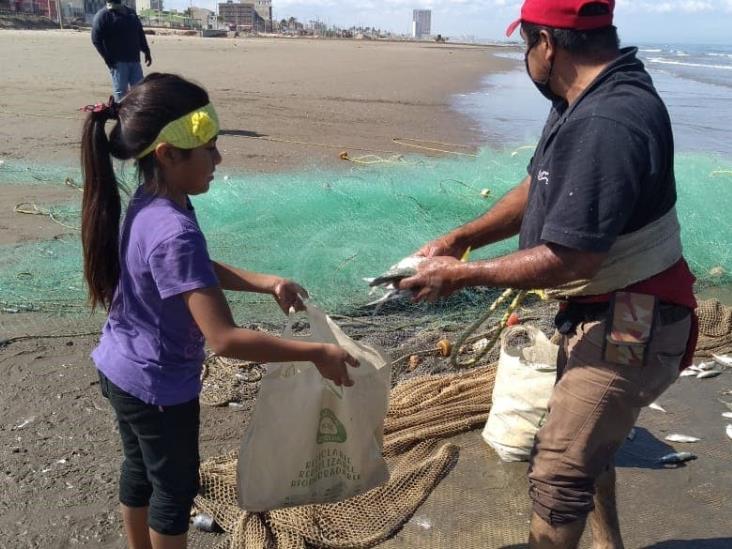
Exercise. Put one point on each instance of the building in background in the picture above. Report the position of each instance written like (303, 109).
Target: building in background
(421, 23)
(146, 5)
(203, 17)
(264, 13)
(91, 7)
(238, 15)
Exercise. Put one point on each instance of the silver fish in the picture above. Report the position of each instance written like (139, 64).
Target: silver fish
(723, 360)
(708, 374)
(727, 415)
(728, 430)
(676, 457)
(702, 366)
(657, 407)
(631, 435)
(689, 372)
(676, 437)
(404, 269)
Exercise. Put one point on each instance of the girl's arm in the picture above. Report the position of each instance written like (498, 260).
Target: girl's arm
(211, 312)
(286, 293)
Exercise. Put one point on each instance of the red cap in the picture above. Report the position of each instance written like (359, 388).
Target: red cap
(562, 14)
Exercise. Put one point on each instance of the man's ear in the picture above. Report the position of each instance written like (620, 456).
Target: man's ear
(548, 46)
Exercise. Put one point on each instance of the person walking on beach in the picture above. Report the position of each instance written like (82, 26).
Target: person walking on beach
(164, 297)
(598, 228)
(117, 34)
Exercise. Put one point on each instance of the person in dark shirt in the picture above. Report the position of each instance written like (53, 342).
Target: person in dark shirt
(598, 229)
(117, 34)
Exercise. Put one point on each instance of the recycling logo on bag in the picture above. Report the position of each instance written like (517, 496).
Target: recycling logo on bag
(330, 429)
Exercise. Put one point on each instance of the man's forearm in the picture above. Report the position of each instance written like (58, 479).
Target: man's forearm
(502, 221)
(239, 280)
(545, 266)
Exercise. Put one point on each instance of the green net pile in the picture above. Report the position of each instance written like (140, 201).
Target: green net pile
(330, 229)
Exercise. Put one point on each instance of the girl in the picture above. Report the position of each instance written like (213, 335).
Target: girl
(164, 297)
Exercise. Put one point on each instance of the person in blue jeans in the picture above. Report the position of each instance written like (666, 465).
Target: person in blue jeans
(117, 34)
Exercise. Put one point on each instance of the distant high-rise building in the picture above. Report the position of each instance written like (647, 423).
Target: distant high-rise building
(421, 23)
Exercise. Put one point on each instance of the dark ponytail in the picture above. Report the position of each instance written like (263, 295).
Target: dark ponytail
(141, 115)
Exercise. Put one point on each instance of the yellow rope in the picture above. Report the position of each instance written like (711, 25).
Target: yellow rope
(720, 172)
(30, 208)
(414, 143)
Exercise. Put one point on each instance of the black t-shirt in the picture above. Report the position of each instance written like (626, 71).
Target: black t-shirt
(604, 165)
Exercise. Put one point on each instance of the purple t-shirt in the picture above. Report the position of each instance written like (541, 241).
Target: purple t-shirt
(151, 347)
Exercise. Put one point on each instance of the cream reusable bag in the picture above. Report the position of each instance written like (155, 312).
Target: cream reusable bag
(524, 382)
(310, 441)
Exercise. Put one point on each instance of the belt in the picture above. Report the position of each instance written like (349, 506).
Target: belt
(574, 313)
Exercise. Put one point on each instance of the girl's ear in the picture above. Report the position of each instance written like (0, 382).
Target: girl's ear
(166, 155)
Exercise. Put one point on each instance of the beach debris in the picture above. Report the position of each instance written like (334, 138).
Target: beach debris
(657, 407)
(676, 437)
(226, 178)
(414, 361)
(727, 404)
(727, 415)
(726, 393)
(1, 163)
(513, 320)
(485, 193)
(23, 424)
(717, 271)
(708, 374)
(205, 523)
(631, 434)
(676, 458)
(728, 430)
(689, 372)
(480, 345)
(723, 360)
(445, 347)
(422, 522)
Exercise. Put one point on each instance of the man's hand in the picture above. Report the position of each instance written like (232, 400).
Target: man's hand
(444, 246)
(436, 278)
(148, 60)
(289, 294)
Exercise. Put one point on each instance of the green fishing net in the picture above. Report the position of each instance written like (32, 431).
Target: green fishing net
(329, 229)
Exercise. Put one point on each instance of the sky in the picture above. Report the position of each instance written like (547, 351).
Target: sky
(638, 21)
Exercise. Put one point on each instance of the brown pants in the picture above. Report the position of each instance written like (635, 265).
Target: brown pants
(593, 408)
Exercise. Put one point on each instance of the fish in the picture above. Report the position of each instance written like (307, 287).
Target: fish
(727, 404)
(728, 430)
(399, 271)
(676, 437)
(723, 360)
(631, 435)
(702, 366)
(690, 371)
(707, 374)
(676, 457)
(727, 415)
(657, 407)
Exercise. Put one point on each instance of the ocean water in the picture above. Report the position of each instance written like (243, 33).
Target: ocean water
(694, 81)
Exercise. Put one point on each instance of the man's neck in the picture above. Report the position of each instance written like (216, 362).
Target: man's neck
(580, 74)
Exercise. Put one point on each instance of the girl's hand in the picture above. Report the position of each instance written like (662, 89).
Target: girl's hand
(289, 294)
(333, 364)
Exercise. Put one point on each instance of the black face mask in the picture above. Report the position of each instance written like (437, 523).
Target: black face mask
(543, 87)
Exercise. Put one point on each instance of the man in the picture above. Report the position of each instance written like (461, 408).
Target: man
(117, 34)
(598, 228)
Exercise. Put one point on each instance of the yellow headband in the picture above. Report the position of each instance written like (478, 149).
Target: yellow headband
(189, 131)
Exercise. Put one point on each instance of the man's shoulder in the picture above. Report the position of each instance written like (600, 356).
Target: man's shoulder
(101, 15)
